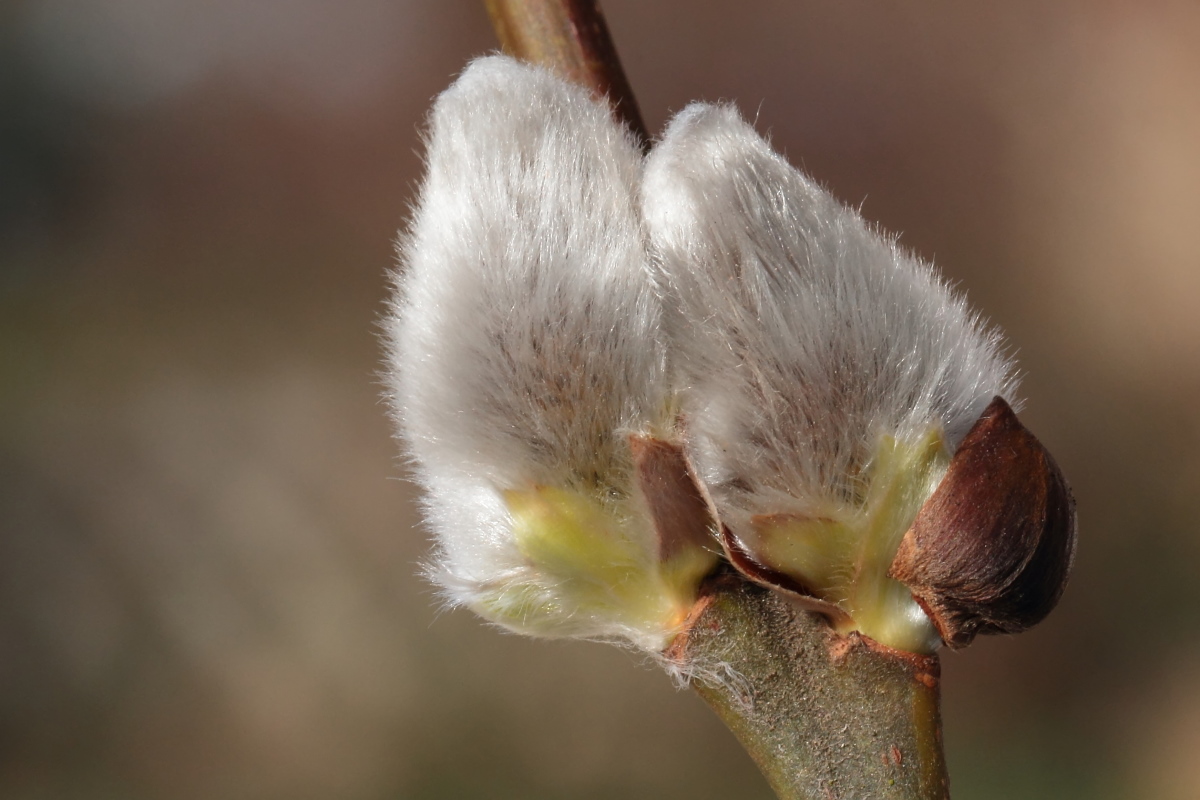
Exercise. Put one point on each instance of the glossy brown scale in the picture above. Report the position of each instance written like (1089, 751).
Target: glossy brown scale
(991, 549)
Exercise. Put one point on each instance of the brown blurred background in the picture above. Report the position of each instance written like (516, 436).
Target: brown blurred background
(207, 549)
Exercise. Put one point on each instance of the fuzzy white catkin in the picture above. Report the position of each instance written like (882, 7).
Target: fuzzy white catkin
(558, 292)
(800, 334)
(525, 340)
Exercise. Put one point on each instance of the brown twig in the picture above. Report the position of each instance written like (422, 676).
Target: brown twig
(570, 37)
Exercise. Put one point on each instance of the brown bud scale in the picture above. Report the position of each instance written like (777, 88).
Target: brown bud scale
(679, 509)
(991, 549)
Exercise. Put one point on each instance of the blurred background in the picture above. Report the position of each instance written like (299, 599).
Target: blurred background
(208, 552)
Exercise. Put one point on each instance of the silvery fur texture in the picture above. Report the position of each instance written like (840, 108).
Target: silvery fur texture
(525, 337)
(800, 334)
(557, 291)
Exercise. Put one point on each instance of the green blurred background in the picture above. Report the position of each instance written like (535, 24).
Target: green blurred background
(207, 549)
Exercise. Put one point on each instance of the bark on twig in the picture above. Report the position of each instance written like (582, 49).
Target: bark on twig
(570, 37)
(823, 715)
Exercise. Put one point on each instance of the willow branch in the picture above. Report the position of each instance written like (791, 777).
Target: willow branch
(823, 715)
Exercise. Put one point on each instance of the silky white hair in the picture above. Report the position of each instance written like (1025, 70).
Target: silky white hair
(799, 333)
(525, 337)
(528, 333)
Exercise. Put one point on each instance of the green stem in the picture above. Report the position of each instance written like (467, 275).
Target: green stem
(825, 716)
